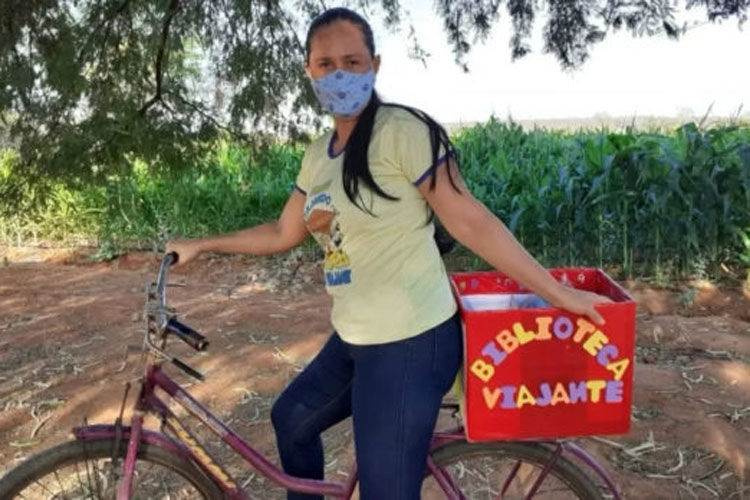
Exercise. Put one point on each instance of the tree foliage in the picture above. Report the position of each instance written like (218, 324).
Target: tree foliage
(88, 85)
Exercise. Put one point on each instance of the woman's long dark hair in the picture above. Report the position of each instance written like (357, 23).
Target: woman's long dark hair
(356, 164)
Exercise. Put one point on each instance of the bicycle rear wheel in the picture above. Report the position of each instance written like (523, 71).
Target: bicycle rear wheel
(509, 471)
(83, 470)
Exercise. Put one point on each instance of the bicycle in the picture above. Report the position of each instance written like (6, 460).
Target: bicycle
(108, 461)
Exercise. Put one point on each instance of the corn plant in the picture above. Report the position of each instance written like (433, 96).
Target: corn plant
(659, 203)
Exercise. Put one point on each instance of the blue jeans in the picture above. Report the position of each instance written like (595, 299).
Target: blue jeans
(393, 393)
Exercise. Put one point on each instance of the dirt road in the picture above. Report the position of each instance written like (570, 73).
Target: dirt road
(64, 325)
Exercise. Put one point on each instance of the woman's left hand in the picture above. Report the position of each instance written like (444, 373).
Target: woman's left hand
(582, 302)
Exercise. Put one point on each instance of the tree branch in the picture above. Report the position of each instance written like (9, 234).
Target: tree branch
(107, 19)
(290, 25)
(161, 56)
(197, 108)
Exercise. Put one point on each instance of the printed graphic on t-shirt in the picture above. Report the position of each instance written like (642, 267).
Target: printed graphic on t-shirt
(321, 218)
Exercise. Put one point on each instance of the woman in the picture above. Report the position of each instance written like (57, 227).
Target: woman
(366, 192)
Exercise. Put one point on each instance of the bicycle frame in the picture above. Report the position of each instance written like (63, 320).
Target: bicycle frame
(186, 445)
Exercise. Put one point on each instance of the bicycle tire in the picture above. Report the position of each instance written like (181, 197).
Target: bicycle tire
(534, 454)
(58, 458)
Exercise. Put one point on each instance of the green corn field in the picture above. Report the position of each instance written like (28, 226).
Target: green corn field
(650, 204)
(662, 204)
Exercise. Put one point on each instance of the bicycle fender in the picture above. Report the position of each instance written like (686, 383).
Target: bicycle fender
(106, 431)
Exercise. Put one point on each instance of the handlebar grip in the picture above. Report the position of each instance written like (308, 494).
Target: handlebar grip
(193, 373)
(187, 334)
(175, 258)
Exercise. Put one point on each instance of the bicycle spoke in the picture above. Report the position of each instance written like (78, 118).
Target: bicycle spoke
(511, 472)
(545, 472)
(166, 488)
(78, 473)
(95, 472)
(88, 474)
(510, 477)
(137, 475)
(62, 488)
(44, 487)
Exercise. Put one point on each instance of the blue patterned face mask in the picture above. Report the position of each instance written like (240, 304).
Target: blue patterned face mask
(344, 93)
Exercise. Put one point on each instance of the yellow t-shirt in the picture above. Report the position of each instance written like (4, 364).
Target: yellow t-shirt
(385, 272)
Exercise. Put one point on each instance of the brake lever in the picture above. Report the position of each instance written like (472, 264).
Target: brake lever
(188, 370)
(179, 364)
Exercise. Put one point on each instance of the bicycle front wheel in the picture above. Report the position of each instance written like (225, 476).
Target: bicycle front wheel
(84, 470)
(509, 471)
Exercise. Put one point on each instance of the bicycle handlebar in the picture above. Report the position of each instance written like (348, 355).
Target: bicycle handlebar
(161, 283)
(171, 324)
(187, 334)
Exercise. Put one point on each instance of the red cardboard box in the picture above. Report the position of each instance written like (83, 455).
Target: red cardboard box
(544, 372)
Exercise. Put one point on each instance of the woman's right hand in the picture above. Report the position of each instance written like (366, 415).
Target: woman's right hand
(187, 250)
